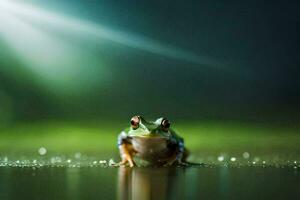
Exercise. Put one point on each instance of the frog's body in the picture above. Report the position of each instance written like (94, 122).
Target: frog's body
(154, 142)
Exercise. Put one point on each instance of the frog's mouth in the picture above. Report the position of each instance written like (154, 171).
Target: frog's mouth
(150, 135)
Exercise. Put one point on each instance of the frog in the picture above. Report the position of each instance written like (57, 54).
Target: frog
(152, 141)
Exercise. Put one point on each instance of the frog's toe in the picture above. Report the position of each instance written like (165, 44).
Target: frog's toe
(169, 163)
(131, 162)
(183, 164)
(122, 163)
(176, 162)
(125, 161)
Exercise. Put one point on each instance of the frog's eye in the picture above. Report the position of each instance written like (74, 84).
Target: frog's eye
(135, 121)
(165, 123)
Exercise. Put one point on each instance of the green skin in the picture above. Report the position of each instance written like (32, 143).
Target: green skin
(152, 142)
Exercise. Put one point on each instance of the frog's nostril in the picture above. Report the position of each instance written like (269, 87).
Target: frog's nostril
(135, 121)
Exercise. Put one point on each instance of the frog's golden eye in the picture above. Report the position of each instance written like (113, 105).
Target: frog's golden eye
(165, 123)
(135, 121)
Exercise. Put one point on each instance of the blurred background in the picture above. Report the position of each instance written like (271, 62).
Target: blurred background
(217, 70)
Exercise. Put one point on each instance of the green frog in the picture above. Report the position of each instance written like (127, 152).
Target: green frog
(151, 141)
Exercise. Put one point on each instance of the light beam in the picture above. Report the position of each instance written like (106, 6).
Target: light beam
(100, 32)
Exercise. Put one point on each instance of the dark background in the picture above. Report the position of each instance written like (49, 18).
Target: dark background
(254, 45)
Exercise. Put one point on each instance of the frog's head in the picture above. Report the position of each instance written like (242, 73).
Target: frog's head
(142, 128)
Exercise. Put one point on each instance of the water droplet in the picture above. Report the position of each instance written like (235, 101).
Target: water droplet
(52, 160)
(42, 151)
(221, 158)
(246, 155)
(111, 162)
(232, 159)
(77, 155)
(256, 159)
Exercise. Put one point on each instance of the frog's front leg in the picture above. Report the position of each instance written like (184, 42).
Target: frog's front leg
(179, 156)
(126, 149)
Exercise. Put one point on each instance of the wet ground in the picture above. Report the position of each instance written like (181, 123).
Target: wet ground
(213, 182)
(75, 161)
(79, 176)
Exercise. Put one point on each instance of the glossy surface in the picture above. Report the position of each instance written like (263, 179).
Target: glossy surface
(150, 183)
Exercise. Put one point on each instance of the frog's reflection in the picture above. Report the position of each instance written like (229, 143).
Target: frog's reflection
(148, 183)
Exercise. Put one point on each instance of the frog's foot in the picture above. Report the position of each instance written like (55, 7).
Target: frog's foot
(128, 160)
(177, 160)
(171, 161)
(176, 163)
(127, 152)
